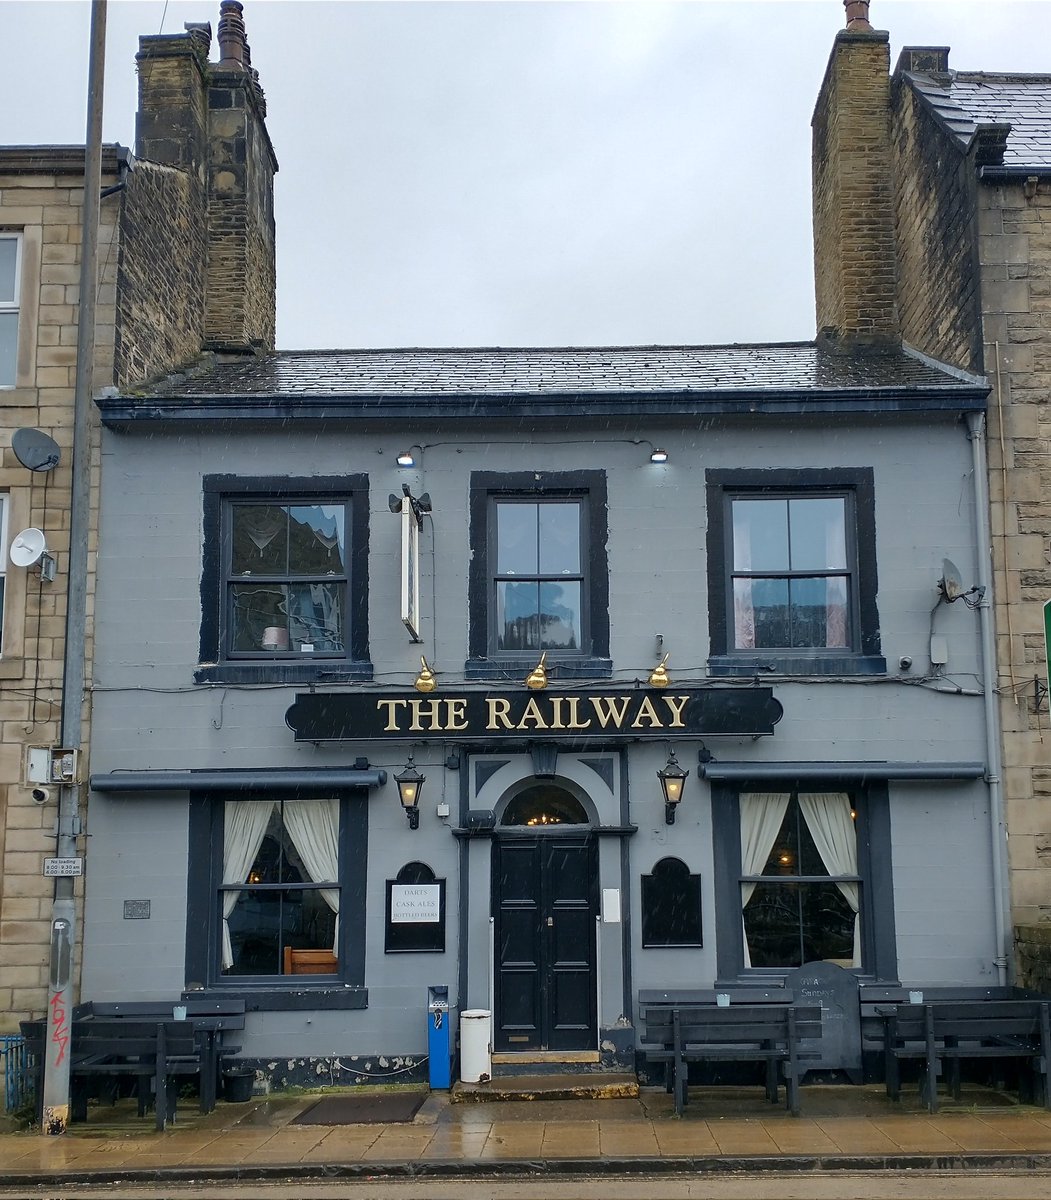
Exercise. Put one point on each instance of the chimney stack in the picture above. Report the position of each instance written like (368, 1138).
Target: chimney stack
(855, 261)
(209, 120)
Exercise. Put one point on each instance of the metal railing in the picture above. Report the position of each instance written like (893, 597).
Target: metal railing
(19, 1086)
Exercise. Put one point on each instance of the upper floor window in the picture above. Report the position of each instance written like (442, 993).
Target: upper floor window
(10, 279)
(792, 572)
(538, 572)
(284, 582)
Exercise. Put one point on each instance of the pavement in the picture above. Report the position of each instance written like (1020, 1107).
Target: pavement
(724, 1130)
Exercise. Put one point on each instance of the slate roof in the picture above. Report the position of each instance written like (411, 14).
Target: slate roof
(502, 382)
(975, 98)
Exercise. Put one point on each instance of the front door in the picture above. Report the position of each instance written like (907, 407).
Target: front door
(544, 903)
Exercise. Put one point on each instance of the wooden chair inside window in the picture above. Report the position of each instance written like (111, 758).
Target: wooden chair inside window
(310, 962)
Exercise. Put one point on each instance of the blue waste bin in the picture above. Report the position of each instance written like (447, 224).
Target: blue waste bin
(438, 1042)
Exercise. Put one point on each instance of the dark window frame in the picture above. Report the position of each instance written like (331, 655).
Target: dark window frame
(588, 488)
(647, 904)
(343, 989)
(872, 825)
(404, 938)
(864, 656)
(217, 663)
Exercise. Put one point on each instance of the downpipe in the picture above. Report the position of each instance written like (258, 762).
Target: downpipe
(976, 427)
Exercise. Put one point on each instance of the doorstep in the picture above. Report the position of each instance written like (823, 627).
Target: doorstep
(605, 1085)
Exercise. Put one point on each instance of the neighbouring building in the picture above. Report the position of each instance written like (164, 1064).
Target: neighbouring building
(397, 652)
(967, 181)
(186, 262)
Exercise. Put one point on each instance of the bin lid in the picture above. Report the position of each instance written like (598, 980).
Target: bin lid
(475, 1014)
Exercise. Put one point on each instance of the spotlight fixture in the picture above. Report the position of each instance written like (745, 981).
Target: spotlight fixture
(425, 681)
(406, 459)
(673, 779)
(410, 783)
(536, 680)
(658, 456)
(659, 677)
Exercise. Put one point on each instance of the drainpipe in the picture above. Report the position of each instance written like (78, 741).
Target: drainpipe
(990, 699)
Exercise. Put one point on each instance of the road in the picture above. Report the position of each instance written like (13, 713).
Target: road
(874, 1185)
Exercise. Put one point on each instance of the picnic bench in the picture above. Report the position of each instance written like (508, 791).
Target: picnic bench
(212, 1019)
(767, 1032)
(152, 1053)
(115, 1039)
(942, 1033)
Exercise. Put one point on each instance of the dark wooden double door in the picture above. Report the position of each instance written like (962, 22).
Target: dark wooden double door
(544, 905)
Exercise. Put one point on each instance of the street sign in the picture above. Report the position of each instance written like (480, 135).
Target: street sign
(63, 866)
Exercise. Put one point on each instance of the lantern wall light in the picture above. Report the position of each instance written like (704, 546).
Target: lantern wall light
(410, 783)
(673, 779)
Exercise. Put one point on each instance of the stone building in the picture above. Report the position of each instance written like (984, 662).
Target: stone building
(186, 263)
(960, 255)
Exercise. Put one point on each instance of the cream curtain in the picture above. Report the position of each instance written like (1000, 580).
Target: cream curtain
(761, 816)
(245, 825)
(313, 826)
(832, 827)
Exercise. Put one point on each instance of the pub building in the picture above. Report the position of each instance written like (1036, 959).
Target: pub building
(545, 676)
(548, 677)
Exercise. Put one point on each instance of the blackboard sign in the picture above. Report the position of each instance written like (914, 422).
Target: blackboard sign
(836, 990)
(415, 916)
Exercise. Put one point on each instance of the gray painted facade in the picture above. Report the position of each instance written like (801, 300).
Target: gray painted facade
(935, 847)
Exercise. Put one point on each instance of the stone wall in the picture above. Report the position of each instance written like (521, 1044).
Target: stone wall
(1015, 236)
(161, 273)
(46, 207)
(1033, 956)
(936, 215)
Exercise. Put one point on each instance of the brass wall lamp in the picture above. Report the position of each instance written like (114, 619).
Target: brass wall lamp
(673, 780)
(410, 783)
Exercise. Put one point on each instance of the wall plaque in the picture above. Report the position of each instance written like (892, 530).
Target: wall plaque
(136, 910)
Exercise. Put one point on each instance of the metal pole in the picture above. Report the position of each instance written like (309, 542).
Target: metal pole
(991, 701)
(57, 1046)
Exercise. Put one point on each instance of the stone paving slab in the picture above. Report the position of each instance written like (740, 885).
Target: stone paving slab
(723, 1129)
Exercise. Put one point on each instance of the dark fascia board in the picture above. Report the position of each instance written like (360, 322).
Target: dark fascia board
(59, 160)
(855, 772)
(233, 780)
(951, 398)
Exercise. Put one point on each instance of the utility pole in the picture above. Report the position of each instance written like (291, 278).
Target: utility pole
(57, 1046)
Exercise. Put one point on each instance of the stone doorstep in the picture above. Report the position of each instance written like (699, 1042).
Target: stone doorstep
(593, 1086)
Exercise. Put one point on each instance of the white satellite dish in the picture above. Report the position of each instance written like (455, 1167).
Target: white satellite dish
(28, 548)
(951, 582)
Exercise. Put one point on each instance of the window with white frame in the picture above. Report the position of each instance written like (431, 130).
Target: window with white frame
(10, 279)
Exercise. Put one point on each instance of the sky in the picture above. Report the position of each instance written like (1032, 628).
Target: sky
(521, 174)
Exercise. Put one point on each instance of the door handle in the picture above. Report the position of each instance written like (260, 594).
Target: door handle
(550, 922)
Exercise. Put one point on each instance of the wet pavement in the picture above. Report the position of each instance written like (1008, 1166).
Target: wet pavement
(724, 1129)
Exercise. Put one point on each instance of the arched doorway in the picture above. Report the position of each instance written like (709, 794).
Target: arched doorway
(544, 906)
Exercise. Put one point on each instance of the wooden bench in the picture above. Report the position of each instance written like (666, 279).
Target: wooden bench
(310, 962)
(949, 1032)
(212, 1019)
(153, 1053)
(767, 1033)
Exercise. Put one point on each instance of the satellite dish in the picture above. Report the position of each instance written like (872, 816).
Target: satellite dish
(951, 582)
(35, 450)
(28, 548)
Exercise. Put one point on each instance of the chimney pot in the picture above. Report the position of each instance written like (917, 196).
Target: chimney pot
(232, 42)
(857, 15)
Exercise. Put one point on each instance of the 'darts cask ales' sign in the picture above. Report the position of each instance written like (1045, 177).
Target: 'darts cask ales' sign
(602, 715)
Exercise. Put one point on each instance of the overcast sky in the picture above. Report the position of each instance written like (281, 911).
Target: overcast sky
(491, 173)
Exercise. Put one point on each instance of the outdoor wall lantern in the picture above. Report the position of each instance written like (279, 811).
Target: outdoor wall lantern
(410, 782)
(673, 779)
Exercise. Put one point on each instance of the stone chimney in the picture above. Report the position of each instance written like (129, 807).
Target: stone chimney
(209, 120)
(853, 198)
